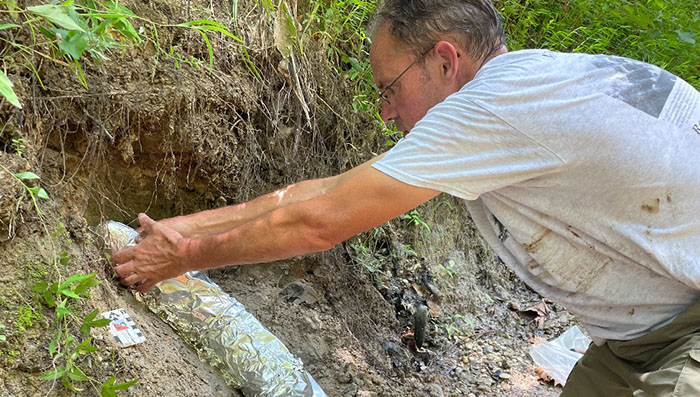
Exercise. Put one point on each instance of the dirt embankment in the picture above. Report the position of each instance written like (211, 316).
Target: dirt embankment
(158, 135)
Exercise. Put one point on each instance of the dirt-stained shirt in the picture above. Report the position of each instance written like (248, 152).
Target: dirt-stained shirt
(583, 174)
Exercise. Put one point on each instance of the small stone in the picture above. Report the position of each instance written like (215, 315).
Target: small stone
(505, 387)
(504, 375)
(434, 390)
(485, 381)
(471, 395)
(465, 359)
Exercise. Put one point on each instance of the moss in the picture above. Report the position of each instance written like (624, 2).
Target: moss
(24, 317)
(36, 272)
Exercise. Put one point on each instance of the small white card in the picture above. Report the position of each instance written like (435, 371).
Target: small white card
(123, 328)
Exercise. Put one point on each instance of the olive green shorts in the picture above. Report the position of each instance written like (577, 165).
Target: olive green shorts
(665, 362)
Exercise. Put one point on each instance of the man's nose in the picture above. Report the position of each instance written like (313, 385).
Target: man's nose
(387, 112)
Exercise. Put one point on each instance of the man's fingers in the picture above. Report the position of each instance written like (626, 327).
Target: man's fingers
(131, 279)
(145, 286)
(125, 269)
(145, 221)
(124, 255)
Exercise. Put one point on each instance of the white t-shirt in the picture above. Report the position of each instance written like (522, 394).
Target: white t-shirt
(583, 174)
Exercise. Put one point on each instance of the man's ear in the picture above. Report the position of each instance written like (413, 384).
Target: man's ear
(449, 57)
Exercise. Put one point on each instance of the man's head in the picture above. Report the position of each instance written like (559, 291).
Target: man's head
(438, 45)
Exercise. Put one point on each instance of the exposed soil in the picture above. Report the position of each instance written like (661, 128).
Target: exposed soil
(152, 136)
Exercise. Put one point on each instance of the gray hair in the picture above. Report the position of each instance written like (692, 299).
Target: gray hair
(419, 24)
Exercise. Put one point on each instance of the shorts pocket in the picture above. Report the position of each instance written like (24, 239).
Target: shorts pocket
(689, 379)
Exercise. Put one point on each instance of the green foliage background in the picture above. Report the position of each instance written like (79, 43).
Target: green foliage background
(664, 33)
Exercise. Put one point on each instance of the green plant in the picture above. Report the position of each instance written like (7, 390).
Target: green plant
(67, 350)
(3, 337)
(72, 29)
(34, 192)
(665, 33)
(448, 269)
(6, 85)
(364, 256)
(18, 146)
(413, 217)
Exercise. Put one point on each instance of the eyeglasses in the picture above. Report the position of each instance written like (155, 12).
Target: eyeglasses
(382, 93)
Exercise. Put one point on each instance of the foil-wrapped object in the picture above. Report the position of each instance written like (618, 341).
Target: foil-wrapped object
(224, 334)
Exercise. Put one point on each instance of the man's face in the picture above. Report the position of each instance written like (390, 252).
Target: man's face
(415, 92)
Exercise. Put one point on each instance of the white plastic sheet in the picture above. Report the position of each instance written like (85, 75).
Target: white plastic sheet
(557, 358)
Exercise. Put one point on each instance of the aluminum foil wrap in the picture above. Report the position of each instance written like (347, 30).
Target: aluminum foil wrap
(224, 334)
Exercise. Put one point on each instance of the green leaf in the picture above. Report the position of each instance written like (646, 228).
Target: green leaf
(7, 91)
(42, 193)
(61, 311)
(53, 288)
(85, 329)
(66, 383)
(125, 385)
(101, 322)
(127, 29)
(48, 297)
(40, 286)
(87, 349)
(53, 373)
(75, 277)
(74, 45)
(84, 286)
(3, 338)
(27, 175)
(90, 316)
(56, 14)
(109, 382)
(107, 388)
(70, 293)
(8, 26)
(77, 374)
(52, 347)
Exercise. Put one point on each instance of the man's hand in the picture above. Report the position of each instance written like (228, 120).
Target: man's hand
(178, 224)
(157, 257)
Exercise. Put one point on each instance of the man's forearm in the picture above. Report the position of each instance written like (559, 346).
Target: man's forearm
(225, 218)
(222, 219)
(288, 231)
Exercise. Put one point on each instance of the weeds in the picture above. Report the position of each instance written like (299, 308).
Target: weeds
(34, 192)
(664, 33)
(73, 29)
(68, 351)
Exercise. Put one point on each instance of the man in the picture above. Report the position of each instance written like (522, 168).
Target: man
(581, 172)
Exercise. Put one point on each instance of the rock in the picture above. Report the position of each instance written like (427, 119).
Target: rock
(434, 390)
(504, 376)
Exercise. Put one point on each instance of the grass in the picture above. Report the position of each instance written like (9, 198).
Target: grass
(664, 33)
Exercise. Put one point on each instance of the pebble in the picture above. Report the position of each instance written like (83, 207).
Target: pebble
(471, 395)
(504, 375)
(434, 390)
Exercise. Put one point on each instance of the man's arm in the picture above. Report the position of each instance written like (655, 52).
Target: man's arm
(365, 199)
(225, 218)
